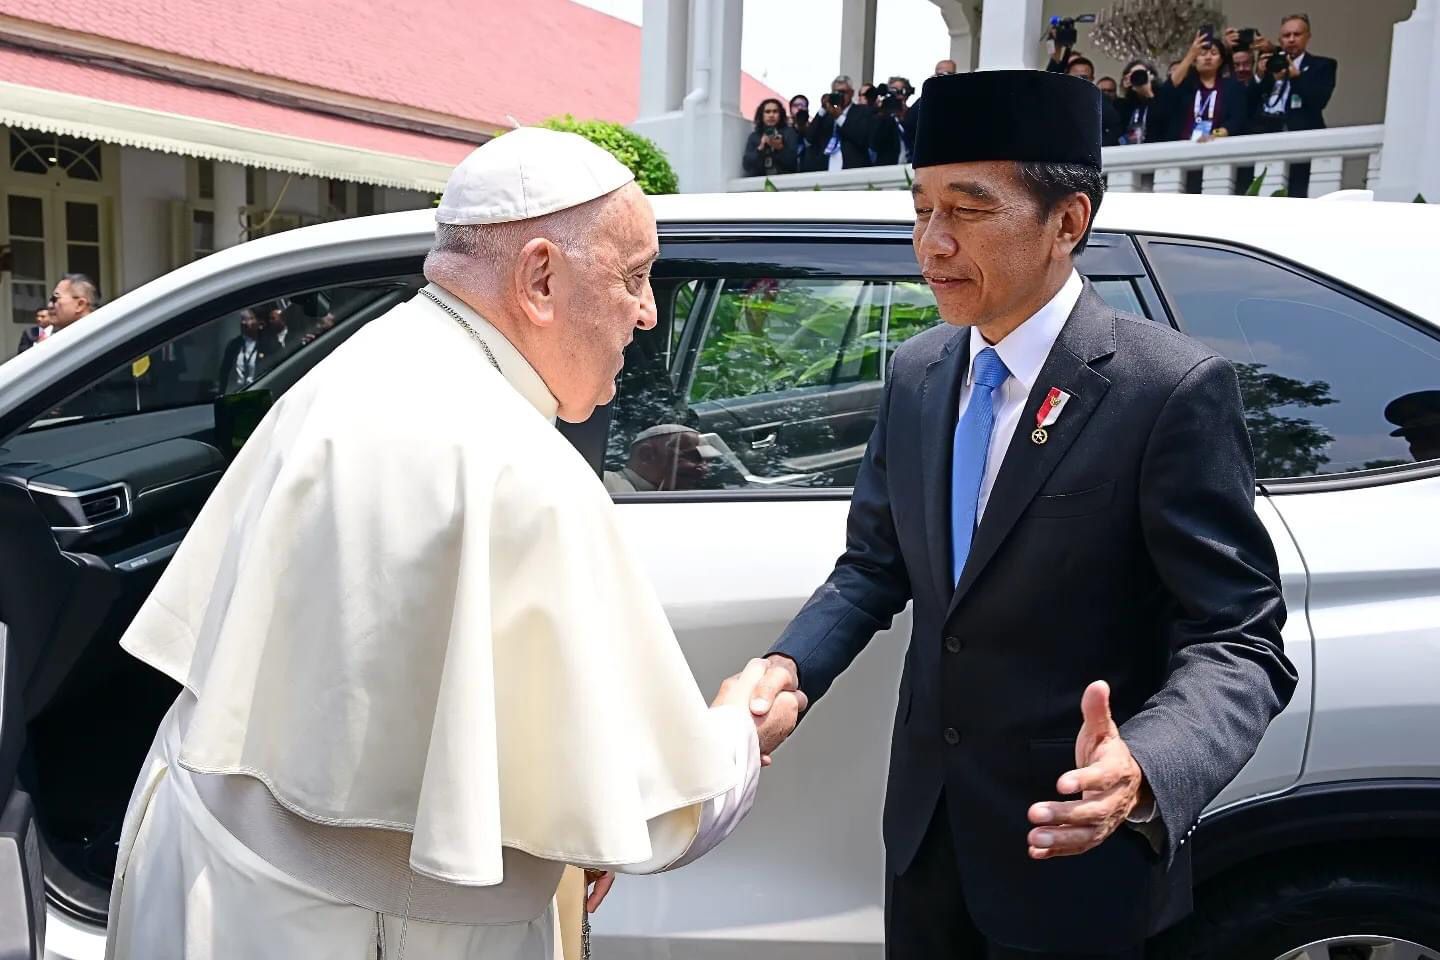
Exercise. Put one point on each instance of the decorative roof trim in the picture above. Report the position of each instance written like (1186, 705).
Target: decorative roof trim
(65, 114)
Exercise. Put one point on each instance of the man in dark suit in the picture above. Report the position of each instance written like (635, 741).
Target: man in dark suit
(248, 356)
(840, 134)
(1066, 496)
(34, 334)
(1295, 87)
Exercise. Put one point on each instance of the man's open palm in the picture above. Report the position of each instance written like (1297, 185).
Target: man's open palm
(1108, 779)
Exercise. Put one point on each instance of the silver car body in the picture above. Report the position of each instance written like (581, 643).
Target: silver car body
(803, 876)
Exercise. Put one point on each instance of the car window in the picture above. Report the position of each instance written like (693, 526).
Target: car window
(763, 382)
(1330, 383)
(1120, 293)
(236, 350)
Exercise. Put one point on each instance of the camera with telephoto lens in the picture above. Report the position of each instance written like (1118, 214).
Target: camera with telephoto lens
(1139, 77)
(1063, 32)
(1279, 62)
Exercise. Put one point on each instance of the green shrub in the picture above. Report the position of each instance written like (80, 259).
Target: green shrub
(648, 162)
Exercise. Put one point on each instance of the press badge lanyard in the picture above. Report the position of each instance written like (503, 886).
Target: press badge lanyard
(1204, 113)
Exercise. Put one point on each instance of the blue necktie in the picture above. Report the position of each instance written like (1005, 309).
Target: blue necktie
(972, 449)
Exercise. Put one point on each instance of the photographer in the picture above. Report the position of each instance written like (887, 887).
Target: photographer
(1204, 103)
(887, 140)
(1062, 36)
(840, 135)
(1295, 85)
(772, 148)
(1142, 114)
(800, 122)
(1295, 88)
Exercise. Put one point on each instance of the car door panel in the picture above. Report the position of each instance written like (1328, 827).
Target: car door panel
(731, 576)
(1374, 563)
(1280, 757)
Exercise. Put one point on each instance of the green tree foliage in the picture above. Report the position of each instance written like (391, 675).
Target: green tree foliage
(1285, 446)
(648, 162)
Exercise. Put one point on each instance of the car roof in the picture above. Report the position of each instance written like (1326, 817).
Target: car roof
(1388, 250)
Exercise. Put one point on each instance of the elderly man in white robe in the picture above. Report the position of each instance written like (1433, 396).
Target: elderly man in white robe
(473, 685)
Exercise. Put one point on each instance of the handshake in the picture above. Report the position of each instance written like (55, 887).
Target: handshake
(770, 690)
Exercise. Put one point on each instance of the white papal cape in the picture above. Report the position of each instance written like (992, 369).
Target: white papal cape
(422, 671)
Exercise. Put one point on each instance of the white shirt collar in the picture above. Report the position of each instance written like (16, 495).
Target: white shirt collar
(516, 370)
(1026, 348)
(1299, 60)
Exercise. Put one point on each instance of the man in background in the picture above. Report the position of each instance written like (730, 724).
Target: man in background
(840, 133)
(75, 297)
(35, 334)
(1295, 88)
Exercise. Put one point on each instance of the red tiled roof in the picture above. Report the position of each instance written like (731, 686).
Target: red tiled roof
(36, 70)
(482, 60)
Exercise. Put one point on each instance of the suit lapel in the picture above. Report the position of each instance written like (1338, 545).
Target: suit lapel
(939, 405)
(1088, 335)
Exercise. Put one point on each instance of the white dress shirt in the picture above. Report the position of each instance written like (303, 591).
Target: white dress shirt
(1279, 101)
(837, 159)
(1024, 352)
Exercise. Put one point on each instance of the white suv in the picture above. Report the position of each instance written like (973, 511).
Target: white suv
(778, 314)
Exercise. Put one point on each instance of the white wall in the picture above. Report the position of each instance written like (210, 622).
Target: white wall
(1357, 34)
(149, 181)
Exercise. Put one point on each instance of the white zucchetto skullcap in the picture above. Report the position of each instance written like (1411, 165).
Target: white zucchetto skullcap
(528, 173)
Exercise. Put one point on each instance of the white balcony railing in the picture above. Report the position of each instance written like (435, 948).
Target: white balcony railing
(1338, 158)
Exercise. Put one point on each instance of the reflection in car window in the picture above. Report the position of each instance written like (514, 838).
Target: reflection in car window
(1331, 385)
(231, 353)
(767, 382)
(1120, 294)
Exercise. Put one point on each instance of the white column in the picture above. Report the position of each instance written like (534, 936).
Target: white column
(1411, 155)
(964, 33)
(1372, 171)
(857, 40)
(229, 202)
(664, 52)
(1326, 175)
(1122, 181)
(704, 133)
(1010, 33)
(1218, 179)
(1276, 174)
(1170, 180)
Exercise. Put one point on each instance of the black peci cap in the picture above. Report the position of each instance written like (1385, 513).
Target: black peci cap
(1021, 115)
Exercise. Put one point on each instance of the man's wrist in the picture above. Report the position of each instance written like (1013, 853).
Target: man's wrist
(1145, 810)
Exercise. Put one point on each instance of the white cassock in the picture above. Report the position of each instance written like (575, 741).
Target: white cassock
(422, 671)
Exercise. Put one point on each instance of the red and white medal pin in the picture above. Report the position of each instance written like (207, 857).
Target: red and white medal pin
(1048, 413)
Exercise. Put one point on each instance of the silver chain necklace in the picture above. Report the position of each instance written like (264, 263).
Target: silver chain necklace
(474, 334)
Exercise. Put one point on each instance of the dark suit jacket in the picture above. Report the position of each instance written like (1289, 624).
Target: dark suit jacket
(769, 162)
(854, 138)
(1126, 549)
(1151, 112)
(269, 353)
(885, 140)
(28, 338)
(1315, 86)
